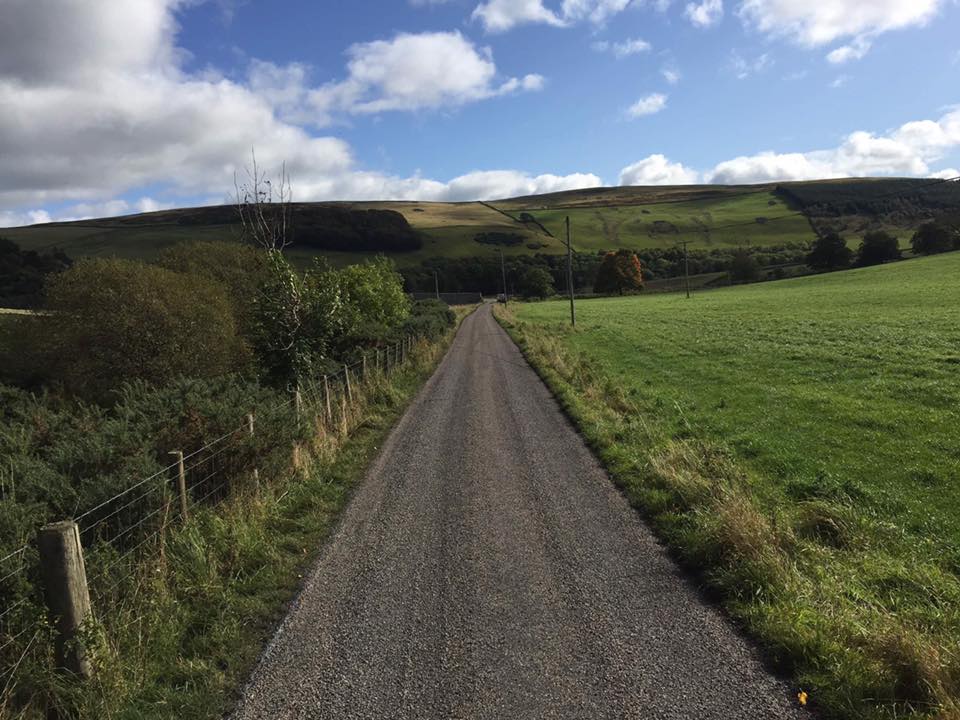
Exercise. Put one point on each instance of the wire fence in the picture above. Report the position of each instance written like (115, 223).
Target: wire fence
(122, 531)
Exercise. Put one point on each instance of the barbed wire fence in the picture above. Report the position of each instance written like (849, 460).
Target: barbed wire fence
(116, 536)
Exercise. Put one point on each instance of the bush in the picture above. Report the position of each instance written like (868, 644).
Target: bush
(373, 301)
(829, 252)
(113, 321)
(241, 269)
(428, 319)
(22, 274)
(877, 248)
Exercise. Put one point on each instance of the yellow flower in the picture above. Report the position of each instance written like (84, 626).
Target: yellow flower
(802, 697)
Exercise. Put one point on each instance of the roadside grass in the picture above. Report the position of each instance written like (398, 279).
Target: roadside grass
(181, 630)
(797, 443)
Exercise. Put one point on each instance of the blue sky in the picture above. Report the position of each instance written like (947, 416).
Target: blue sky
(156, 103)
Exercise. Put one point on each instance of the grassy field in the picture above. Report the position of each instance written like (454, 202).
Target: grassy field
(758, 219)
(799, 442)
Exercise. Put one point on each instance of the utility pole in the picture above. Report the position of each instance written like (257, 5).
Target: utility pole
(503, 272)
(686, 266)
(573, 314)
(436, 284)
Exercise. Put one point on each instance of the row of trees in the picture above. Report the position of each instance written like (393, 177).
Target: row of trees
(831, 252)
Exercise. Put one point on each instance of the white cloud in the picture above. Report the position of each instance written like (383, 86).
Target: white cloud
(909, 151)
(502, 15)
(648, 105)
(97, 105)
(813, 24)
(948, 174)
(854, 51)
(839, 81)
(623, 49)
(412, 72)
(671, 75)
(657, 170)
(704, 13)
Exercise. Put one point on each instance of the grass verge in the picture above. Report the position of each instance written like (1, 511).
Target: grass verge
(182, 629)
(859, 606)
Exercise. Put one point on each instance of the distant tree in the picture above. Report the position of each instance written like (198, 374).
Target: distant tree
(116, 320)
(744, 267)
(829, 252)
(536, 282)
(932, 238)
(878, 247)
(619, 271)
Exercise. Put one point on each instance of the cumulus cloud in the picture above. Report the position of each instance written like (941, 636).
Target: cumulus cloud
(415, 71)
(502, 15)
(744, 68)
(97, 105)
(813, 24)
(704, 13)
(648, 105)
(909, 150)
(658, 170)
(671, 75)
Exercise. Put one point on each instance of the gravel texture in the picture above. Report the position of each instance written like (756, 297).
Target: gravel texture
(488, 568)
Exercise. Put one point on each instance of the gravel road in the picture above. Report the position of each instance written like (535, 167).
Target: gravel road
(487, 568)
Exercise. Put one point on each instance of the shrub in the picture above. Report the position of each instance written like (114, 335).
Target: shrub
(372, 299)
(241, 269)
(429, 319)
(877, 248)
(114, 321)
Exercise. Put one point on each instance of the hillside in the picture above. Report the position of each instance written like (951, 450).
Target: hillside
(707, 216)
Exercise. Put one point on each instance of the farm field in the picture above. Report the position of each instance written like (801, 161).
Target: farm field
(800, 442)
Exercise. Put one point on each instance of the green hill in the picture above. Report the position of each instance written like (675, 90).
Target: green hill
(707, 216)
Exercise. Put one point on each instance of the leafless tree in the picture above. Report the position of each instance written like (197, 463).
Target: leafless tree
(264, 205)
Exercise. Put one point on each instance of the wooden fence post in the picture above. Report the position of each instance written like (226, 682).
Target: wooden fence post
(346, 375)
(378, 360)
(326, 397)
(256, 471)
(181, 484)
(298, 403)
(65, 591)
(364, 367)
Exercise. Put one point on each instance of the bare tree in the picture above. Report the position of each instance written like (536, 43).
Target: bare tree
(264, 206)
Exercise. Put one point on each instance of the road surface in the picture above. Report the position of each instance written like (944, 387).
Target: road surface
(487, 568)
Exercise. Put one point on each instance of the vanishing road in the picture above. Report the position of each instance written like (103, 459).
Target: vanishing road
(487, 568)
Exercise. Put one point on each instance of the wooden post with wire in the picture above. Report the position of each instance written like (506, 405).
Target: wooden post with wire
(181, 485)
(65, 592)
(326, 397)
(686, 265)
(298, 403)
(256, 471)
(346, 376)
(364, 361)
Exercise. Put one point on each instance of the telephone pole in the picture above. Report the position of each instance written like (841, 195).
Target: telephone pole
(686, 265)
(436, 284)
(503, 272)
(573, 313)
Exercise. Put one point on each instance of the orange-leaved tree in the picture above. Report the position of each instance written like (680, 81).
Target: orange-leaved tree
(620, 271)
